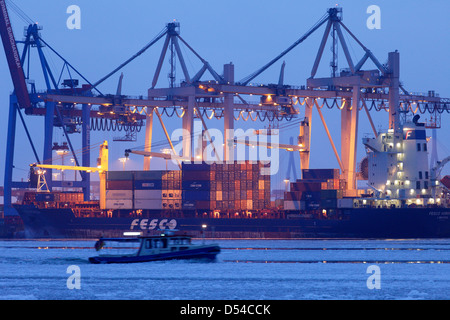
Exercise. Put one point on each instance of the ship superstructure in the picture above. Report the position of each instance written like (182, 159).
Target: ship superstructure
(398, 166)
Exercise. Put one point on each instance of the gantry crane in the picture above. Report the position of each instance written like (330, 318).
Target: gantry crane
(222, 97)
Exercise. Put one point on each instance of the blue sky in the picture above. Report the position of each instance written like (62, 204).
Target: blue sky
(248, 33)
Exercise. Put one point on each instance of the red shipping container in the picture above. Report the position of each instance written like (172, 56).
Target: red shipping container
(119, 185)
(196, 175)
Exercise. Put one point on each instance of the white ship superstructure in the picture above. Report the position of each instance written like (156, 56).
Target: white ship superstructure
(399, 167)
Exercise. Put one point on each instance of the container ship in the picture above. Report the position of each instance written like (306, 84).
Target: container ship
(404, 199)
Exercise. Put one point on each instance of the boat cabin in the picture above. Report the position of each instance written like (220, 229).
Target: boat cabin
(152, 248)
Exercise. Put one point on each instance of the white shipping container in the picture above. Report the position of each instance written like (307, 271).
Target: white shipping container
(149, 204)
(294, 205)
(148, 194)
(119, 204)
(119, 194)
(345, 203)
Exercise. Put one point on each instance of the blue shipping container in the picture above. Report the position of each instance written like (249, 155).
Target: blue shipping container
(196, 185)
(189, 205)
(192, 195)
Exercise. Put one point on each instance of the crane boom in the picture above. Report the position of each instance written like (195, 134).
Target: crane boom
(13, 57)
(102, 169)
(435, 172)
(166, 156)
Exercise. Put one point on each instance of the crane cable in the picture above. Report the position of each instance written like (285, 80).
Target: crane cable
(22, 15)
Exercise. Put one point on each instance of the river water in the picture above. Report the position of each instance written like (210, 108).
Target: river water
(244, 270)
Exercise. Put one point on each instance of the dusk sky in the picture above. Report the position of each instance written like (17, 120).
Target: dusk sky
(249, 34)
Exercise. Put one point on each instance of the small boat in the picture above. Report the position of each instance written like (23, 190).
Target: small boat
(167, 246)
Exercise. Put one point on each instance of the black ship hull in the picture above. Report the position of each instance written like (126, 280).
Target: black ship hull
(350, 223)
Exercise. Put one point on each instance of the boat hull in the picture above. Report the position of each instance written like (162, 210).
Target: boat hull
(208, 253)
(351, 223)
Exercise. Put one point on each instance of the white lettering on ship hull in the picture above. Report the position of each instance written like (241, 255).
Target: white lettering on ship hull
(152, 224)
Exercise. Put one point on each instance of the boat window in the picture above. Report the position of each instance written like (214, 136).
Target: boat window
(148, 244)
(157, 244)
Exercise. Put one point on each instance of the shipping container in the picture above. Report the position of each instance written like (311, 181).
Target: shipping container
(45, 197)
(302, 196)
(333, 184)
(196, 175)
(331, 194)
(261, 184)
(119, 194)
(320, 174)
(312, 204)
(188, 204)
(294, 205)
(126, 204)
(119, 185)
(171, 194)
(171, 204)
(148, 175)
(345, 203)
(196, 195)
(203, 205)
(148, 204)
(119, 175)
(148, 185)
(147, 194)
(196, 185)
(196, 167)
(306, 186)
(261, 195)
(329, 203)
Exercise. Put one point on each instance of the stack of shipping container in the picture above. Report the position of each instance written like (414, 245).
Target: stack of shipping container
(157, 190)
(53, 199)
(229, 186)
(119, 190)
(143, 190)
(238, 186)
(319, 188)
